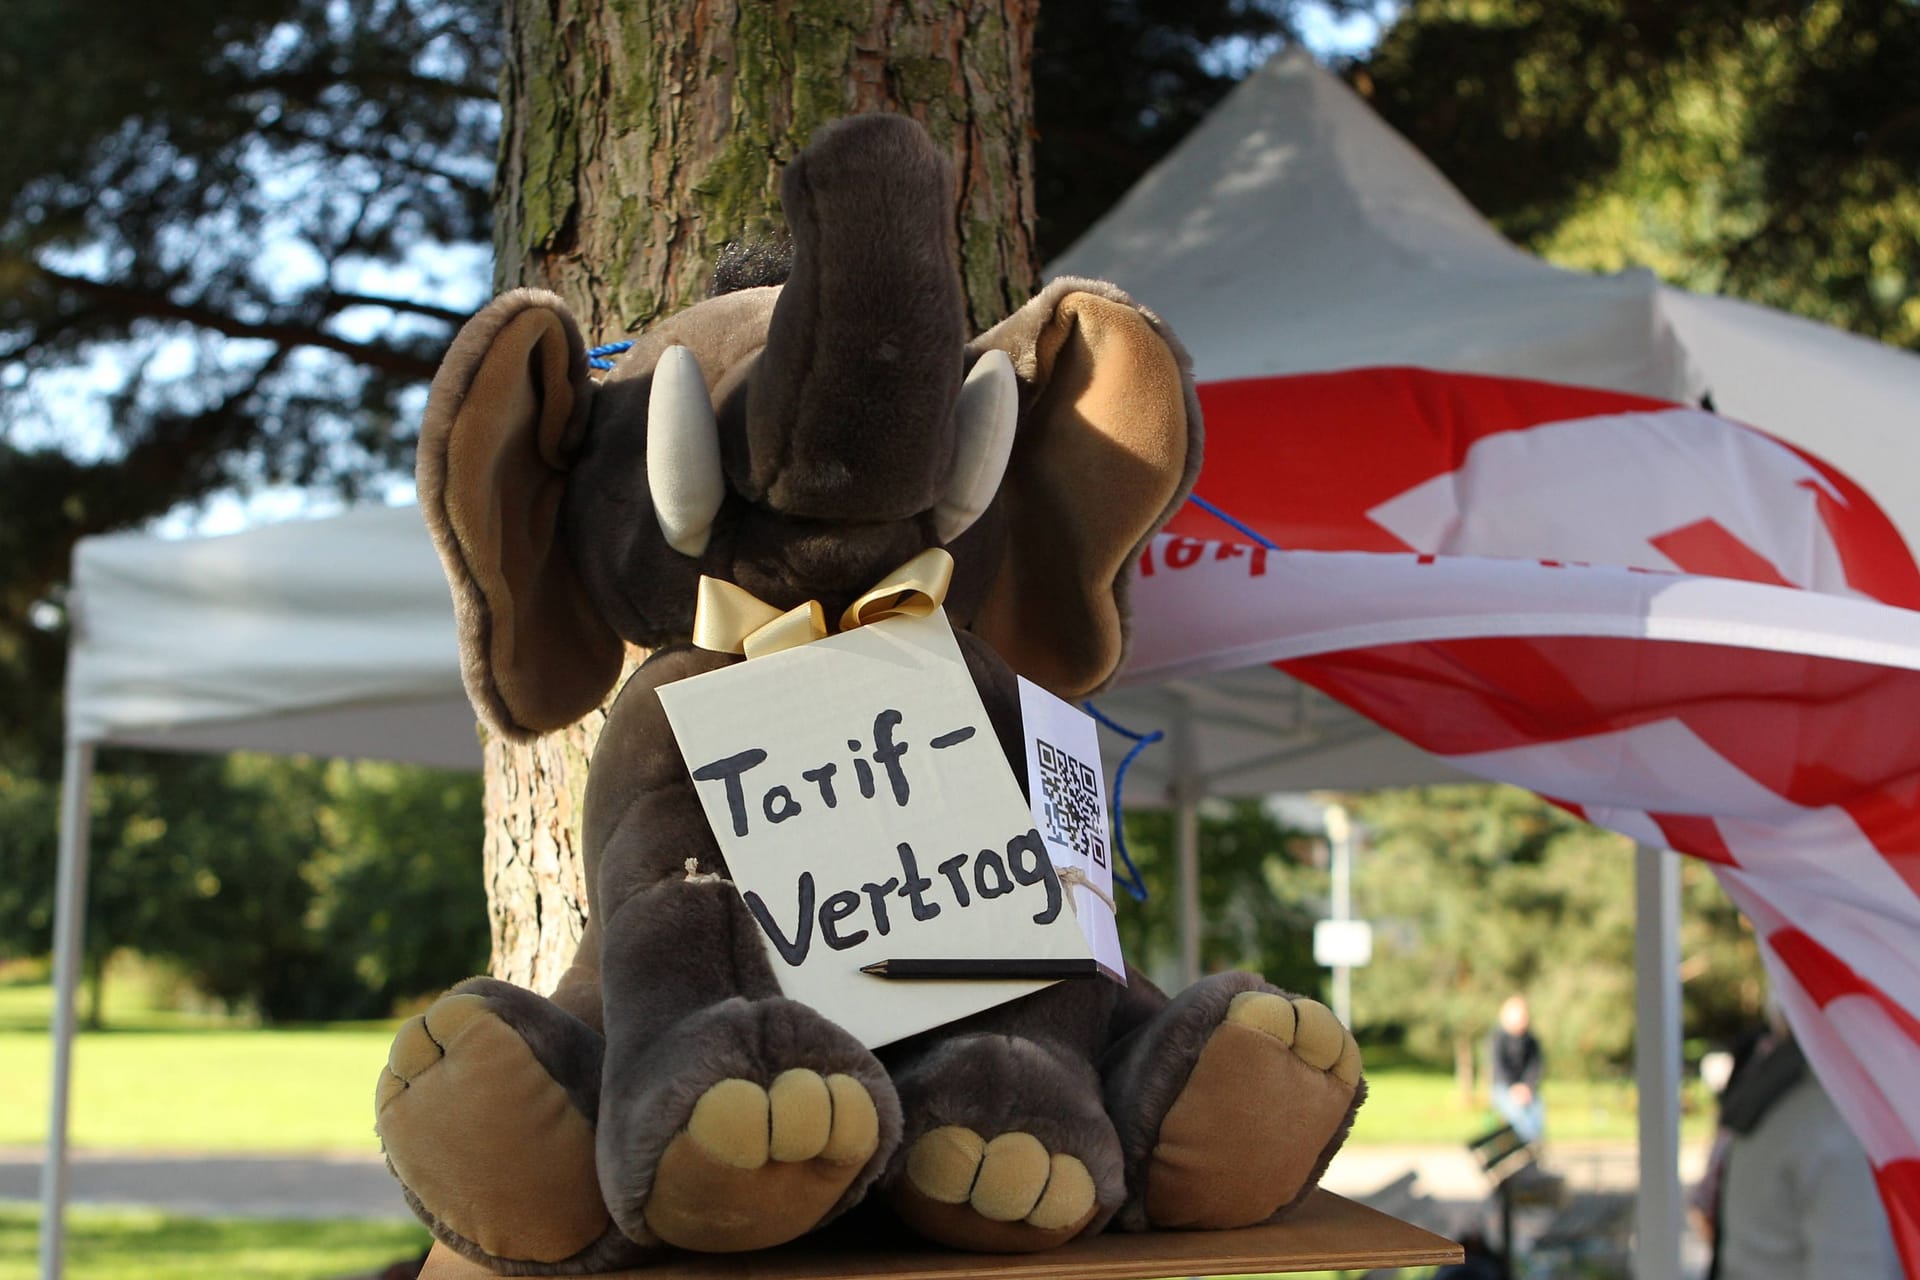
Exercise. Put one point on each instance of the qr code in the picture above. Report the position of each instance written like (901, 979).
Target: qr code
(1070, 800)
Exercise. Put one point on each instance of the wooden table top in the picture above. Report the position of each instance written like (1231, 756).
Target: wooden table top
(1327, 1233)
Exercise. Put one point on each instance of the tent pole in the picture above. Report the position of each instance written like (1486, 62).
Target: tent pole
(1186, 809)
(1656, 1062)
(69, 925)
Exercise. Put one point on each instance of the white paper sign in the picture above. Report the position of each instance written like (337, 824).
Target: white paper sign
(1069, 798)
(867, 813)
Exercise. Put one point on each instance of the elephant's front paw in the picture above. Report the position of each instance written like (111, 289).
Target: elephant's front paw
(758, 1166)
(750, 1124)
(1012, 1151)
(1266, 1103)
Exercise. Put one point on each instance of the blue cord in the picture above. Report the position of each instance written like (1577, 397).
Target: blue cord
(1231, 521)
(596, 357)
(1131, 882)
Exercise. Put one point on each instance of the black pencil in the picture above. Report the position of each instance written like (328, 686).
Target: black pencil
(981, 969)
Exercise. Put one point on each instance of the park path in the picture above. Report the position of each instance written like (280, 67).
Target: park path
(244, 1186)
(349, 1186)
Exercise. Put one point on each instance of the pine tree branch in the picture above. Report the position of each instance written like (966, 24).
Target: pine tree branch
(154, 303)
(336, 301)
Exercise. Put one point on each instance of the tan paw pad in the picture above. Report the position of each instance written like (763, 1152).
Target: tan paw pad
(943, 1164)
(1319, 1039)
(854, 1134)
(1307, 1026)
(800, 1115)
(1263, 1011)
(1069, 1197)
(731, 1122)
(1013, 1173)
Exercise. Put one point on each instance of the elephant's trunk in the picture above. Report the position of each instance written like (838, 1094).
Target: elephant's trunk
(863, 355)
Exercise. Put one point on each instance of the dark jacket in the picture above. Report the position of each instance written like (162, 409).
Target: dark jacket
(1515, 1059)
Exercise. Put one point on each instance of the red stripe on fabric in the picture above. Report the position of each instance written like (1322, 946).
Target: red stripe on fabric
(1826, 977)
(1303, 458)
(1899, 1184)
(1699, 836)
(1818, 732)
(1874, 557)
(1708, 547)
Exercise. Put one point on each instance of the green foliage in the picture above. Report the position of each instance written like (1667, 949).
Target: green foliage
(298, 890)
(1259, 896)
(1763, 148)
(400, 878)
(234, 237)
(1477, 892)
(134, 1244)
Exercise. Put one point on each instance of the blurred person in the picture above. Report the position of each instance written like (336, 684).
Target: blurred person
(1793, 1195)
(1515, 1063)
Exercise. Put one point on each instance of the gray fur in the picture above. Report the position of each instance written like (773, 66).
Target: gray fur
(834, 399)
(862, 363)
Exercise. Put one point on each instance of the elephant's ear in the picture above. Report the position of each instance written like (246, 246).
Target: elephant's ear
(1108, 447)
(505, 416)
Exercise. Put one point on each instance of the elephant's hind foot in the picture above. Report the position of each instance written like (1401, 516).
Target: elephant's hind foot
(485, 1109)
(1231, 1103)
(1009, 1150)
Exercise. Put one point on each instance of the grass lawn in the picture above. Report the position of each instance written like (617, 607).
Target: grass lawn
(164, 1081)
(133, 1245)
(1407, 1104)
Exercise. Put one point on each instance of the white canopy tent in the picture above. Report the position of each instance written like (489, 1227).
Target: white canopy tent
(320, 637)
(1291, 232)
(1294, 232)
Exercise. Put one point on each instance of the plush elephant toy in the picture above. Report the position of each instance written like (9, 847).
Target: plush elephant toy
(800, 440)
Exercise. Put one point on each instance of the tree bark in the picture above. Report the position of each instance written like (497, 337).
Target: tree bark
(639, 138)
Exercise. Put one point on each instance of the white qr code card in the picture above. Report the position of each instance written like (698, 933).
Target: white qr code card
(1068, 793)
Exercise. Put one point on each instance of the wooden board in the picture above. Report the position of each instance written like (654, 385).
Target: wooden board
(1327, 1233)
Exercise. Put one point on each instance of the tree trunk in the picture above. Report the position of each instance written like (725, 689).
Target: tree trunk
(641, 137)
(1463, 1067)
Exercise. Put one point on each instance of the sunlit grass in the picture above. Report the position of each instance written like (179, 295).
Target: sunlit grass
(160, 1080)
(1409, 1105)
(138, 1245)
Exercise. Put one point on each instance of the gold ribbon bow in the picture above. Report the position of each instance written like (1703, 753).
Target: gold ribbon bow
(731, 619)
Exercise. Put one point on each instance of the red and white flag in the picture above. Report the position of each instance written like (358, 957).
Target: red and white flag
(1676, 626)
